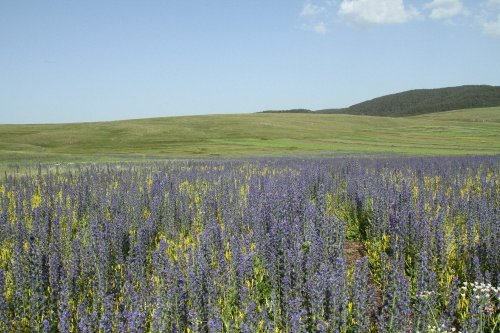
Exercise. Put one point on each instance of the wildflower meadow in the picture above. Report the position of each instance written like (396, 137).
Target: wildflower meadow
(253, 245)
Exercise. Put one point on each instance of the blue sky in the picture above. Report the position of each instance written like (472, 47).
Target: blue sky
(71, 61)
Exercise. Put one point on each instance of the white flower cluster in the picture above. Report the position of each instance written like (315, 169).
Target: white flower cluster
(441, 329)
(425, 294)
(480, 290)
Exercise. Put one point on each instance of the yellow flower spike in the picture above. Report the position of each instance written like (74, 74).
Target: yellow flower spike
(12, 208)
(253, 246)
(9, 285)
(416, 192)
(60, 196)
(108, 214)
(244, 191)
(36, 199)
(350, 307)
(6, 253)
(146, 214)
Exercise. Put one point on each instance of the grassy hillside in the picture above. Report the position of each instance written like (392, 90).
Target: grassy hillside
(422, 101)
(474, 131)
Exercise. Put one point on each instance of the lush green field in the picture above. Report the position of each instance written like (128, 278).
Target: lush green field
(473, 131)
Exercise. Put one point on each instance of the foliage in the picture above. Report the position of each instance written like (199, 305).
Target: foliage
(252, 246)
(421, 101)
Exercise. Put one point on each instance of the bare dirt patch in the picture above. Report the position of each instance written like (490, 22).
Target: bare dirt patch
(353, 251)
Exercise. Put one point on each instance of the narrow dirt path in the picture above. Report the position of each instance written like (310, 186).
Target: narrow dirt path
(353, 251)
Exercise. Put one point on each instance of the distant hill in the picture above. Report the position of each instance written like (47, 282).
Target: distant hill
(421, 101)
(288, 111)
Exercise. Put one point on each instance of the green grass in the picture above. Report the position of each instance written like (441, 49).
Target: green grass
(473, 131)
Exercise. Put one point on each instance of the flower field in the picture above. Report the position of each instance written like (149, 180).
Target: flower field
(253, 246)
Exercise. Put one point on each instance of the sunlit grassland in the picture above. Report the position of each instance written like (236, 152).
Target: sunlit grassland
(462, 132)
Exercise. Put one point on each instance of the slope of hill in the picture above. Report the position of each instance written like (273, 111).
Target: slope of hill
(474, 131)
(421, 101)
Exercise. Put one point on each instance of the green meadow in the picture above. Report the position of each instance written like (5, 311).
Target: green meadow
(462, 132)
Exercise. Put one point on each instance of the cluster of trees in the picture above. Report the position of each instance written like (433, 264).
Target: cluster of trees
(419, 101)
(422, 101)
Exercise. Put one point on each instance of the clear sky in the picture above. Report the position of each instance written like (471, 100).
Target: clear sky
(89, 60)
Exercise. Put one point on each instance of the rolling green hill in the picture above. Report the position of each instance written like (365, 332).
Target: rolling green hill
(473, 131)
(422, 101)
